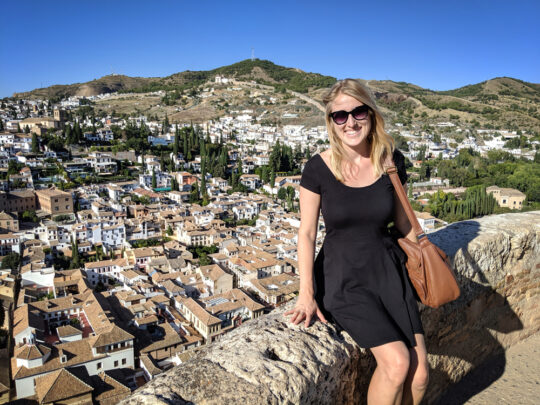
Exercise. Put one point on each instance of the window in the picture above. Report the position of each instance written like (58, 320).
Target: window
(124, 361)
(99, 365)
(116, 363)
(56, 208)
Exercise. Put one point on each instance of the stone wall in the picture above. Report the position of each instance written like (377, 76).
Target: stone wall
(269, 361)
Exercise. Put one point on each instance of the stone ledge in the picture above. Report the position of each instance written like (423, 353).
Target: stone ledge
(269, 361)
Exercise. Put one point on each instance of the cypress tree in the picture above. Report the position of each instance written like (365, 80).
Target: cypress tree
(240, 168)
(75, 260)
(272, 178)
(202, 147)
(35, 143)
(176, 142)
(67, 129)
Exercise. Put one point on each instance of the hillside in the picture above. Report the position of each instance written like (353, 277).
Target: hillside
(497, 103)
(262, 71)
(105, 84)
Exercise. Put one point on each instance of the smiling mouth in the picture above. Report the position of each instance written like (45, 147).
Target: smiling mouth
(352, 133)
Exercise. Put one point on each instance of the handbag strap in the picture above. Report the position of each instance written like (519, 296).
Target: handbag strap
(391, 171)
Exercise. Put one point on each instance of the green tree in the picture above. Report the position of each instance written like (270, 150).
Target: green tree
(272, 178)
(11, 261)
(35, 143)
(204, 192)
(240, 168)
(421, 153)
(154, 180)
(29, 216)
(194, 195)
(174, 184)
(176, 143)
(67, 132)
(75, 260)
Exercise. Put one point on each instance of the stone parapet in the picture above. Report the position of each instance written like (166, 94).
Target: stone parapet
(270, 361)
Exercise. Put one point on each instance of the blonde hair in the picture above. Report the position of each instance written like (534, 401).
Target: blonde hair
(382, 144)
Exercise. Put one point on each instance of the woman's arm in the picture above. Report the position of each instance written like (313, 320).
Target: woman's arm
(306, 307)
(400, 218)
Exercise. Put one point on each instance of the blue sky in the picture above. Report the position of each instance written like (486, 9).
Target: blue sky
(435, 44)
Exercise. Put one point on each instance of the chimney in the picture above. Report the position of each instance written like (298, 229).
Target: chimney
(62, 356)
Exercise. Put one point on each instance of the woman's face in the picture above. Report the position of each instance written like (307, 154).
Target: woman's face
(353, 132)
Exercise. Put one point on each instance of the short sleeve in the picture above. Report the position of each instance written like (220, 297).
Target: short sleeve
(399, 161)
(310, 177)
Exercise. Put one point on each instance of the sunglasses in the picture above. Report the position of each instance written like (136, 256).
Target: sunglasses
(359, 113)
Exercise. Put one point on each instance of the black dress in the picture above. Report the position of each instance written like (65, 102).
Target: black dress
(359, 275)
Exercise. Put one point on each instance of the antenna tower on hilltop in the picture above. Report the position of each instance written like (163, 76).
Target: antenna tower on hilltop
(252, 54)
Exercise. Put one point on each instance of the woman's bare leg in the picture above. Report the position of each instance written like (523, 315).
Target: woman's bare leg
(386, 386)
(417, 379)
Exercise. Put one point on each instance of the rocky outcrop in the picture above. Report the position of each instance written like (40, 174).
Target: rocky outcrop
(269, 361)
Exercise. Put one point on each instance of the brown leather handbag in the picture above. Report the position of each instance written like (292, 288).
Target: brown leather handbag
(428, 266)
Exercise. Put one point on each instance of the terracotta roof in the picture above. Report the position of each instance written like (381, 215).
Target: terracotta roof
(77, 352)
(108, 390)
(146, 320)
(149, 365)
(24, 317)
(106, 263)
(114, 335)
(68, 330)
(213, 272)
(236, 298)
(62, 303)
(32, 352)
(59, 385)
(4, 216)
(171, 286)
(282, 284)
(52, 192)
(160, 299)
(129, 274)
(145, 252)
(134, 297)
(199, 312)
(171, 337)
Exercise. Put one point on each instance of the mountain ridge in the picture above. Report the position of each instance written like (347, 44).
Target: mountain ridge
(117, 82)
(501, 102)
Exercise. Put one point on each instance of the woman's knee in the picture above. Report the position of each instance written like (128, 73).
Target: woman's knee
(421, 377)
(396, 369)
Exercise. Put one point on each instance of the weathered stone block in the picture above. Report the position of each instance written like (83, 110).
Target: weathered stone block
(270, 361)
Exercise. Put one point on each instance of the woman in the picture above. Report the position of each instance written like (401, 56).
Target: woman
(359, 279)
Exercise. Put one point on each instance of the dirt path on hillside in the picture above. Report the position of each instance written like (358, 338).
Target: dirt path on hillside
(519, 383)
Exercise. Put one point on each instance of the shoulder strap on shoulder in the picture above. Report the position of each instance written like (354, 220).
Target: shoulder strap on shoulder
(391, 171)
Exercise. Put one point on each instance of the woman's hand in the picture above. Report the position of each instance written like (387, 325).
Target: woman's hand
(306, 307)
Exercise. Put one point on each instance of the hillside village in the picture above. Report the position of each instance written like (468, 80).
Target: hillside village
(122, 258)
